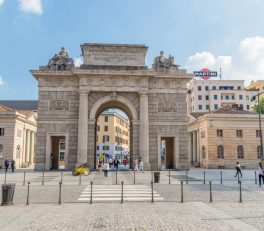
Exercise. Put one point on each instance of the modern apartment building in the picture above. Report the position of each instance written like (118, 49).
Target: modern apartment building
(112, 135)
(209, 95)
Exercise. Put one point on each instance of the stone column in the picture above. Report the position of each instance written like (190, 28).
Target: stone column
(191, 147)
(32, 147)
(144, 128)
(83, 129)
(27, 145)
(194, 146)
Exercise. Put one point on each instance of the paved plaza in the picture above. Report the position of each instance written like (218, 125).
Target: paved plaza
(106, 212)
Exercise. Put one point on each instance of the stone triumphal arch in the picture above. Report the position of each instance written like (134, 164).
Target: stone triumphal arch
(111, 76)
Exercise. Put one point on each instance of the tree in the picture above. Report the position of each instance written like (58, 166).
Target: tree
(256, 108)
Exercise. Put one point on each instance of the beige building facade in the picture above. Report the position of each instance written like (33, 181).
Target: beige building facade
(221, 138)
(113, 135)
(17, 136)
(112, 76)
(208, 95)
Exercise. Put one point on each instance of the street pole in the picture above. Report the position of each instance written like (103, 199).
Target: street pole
(260, 131)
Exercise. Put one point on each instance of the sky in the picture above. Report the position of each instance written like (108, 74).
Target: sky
(198, 33)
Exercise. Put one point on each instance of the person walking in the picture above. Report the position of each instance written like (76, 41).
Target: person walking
(238, 169)
(136, 165)
(116, 163)
(6, 165)
(106, 169)
(13, 165)
(100, 165)
(261, 174)
(141, 166)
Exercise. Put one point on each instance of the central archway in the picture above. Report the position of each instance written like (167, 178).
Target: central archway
(125, 105)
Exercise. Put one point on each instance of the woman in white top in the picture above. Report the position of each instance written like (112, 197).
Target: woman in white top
(106, 169)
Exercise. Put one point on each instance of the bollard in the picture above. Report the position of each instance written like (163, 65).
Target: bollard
(134, 177)
(91, 193)
(122, 190)
(255, 177)
(152, 195)
(238, 179)
(221, 177)
(5, 177)
(60, 194)
(181, 191)
(28, 194)
(43, 178)
(186, 177)
(204, 177)
(24, 181)
(61, 176)
(210, 186)
(116, 176)
(169, 178)
(240, 192)
(80, 179)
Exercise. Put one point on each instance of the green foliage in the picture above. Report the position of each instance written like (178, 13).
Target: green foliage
(256, 108)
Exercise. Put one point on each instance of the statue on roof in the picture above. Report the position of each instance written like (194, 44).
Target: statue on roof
(164, 64)
(61, 61)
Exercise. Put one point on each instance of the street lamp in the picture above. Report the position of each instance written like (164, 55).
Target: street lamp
(260, 129)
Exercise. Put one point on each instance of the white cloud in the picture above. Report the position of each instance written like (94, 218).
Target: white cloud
(1, 2)
(31, 6)
(78, 61)
(1, 81)
(246, 62)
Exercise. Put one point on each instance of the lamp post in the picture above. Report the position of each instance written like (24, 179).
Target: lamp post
(260, 129)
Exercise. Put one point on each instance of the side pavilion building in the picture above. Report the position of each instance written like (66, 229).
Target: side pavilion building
(111, 76)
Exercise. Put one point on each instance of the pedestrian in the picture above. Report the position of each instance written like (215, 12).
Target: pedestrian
(261, 174)
(116, 163)
(141, 165)
(100, 165)
(110, 163)
(6, 165)
(106, 169)
(136, 165)
(13, 165)
(238, 169)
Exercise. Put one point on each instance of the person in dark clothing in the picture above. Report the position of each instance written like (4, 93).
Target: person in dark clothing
(116, 163)
(6, 165)
(13, 165)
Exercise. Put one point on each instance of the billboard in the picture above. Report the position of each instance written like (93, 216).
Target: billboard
(205, 73)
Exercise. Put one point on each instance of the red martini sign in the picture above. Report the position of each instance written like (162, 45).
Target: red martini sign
(205, 73)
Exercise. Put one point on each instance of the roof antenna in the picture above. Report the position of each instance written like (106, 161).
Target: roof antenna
(220, 75)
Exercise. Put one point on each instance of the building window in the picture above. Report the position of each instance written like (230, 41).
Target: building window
(106, 128)
(62, 156)
(206, 88)
(215, 96)
(247, 107)
(199, 88)
(239, 133)
(240, 97)
(259, 151)
(200, 107)
(105, 138)
(1, 151)
(227, 97)
(233, 97)
(97, 148)
(199, 97)
(207, 97)
(257, 133)
(240, 152)
(238, 88)
(106, 118)
(105, 148)
(216, 106)
(219, 133)
(214, 87)
(207, 107)
(203, 152)
(220, 152)
(98, 128)
(2, 131)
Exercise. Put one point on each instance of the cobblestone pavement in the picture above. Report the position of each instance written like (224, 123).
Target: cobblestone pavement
(133, 216)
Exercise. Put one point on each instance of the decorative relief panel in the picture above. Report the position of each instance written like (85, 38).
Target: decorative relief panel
(59, 105)
(59, 82)
(167, 107)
